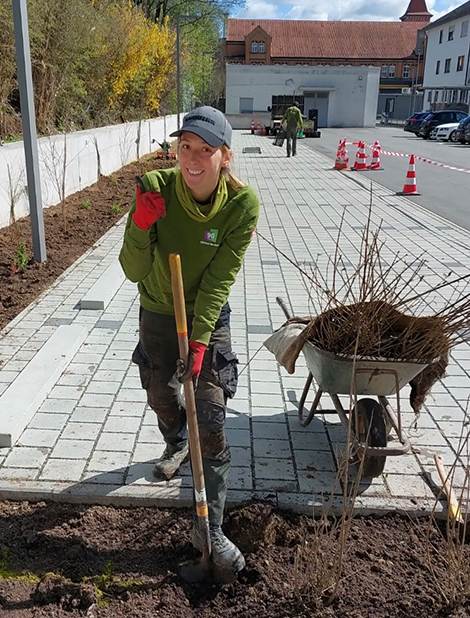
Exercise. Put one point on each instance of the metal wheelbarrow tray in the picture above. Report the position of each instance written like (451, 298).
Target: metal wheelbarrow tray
(372, 420)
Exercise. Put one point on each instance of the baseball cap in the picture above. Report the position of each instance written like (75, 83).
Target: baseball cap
(209, 124)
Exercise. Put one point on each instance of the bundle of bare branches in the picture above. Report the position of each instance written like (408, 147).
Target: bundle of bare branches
(388, 310)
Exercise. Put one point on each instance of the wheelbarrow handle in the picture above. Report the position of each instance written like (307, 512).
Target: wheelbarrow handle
(283, 306)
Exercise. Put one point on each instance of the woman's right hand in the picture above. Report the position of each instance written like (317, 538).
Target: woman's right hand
(149, 207)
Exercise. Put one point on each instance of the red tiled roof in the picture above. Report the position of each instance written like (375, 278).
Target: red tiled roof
(332, 39)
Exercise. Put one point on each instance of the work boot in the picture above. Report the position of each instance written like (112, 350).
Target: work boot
(169, 463)
(225, 554)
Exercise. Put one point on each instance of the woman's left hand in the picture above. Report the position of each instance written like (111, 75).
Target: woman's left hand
(194, 365)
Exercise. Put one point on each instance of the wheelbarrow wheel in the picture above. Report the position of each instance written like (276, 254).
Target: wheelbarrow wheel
(369, 420)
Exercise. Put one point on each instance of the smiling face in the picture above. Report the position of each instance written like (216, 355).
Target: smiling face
(200, 165)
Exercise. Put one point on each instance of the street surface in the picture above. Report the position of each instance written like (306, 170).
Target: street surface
(443, 191)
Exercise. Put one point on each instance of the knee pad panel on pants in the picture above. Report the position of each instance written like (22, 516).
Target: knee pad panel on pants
(211, 421)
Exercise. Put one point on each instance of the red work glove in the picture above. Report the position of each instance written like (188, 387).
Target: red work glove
(195, 358)
(149, 207)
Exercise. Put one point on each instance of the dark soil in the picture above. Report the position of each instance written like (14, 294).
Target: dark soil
(60, 560)
(72, 560)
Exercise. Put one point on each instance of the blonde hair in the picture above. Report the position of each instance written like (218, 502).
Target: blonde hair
(231, 179)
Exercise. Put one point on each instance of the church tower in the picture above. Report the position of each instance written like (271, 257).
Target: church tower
(417, 11)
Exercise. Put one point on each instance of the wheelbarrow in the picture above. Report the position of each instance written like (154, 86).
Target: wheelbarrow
(372, 420)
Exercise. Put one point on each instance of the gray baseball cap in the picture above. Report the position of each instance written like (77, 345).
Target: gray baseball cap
(209, 124)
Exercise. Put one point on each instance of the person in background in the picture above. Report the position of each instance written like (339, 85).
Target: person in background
(293, 120)
(201, 211)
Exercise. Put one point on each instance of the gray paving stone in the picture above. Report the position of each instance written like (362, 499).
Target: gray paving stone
(238, 437)
(408, 486)
(108, 461)
(38, 437)
(94, 400)
(72, 449)
(17, 474)
(26, 457)
(270, 468)
(111, 441)
(88, 415)
(81, 431)
(271, 448)
(276, 431)
(48, 421)
(63, 470)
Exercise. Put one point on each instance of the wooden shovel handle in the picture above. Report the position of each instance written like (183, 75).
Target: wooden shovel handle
(191, 415)
(454, 509)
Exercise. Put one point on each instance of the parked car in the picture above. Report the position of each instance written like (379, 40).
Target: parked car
(462, 133)
(433, 119)
(446, 132)
(413, 123)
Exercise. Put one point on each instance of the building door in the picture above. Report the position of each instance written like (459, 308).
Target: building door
(319, 101)
(246, 105)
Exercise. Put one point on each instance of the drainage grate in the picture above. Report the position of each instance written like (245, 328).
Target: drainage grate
(251, 150)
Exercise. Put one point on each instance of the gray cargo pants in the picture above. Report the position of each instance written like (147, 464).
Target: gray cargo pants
(156, 354)
(291, 136)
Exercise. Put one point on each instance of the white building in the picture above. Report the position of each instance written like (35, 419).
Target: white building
(345, 96)
(447, 67)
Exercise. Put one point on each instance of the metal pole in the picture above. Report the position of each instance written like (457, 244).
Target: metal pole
(28, 121)
(178, 70)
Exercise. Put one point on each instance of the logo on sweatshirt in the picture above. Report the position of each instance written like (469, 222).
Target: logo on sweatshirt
(210, 237)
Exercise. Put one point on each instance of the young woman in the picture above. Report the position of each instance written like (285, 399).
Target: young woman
(201, 211)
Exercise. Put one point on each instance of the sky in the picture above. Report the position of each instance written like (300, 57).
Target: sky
(334, 10)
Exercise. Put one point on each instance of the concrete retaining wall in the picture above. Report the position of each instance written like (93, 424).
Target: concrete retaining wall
(88, 154)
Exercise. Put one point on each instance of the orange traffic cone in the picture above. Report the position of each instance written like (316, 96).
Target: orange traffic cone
(258, 128)
(409, 188)
(263, 132)
(342, 159)
(342, 143)
(375, 165)
(361, 158)
(252, 126)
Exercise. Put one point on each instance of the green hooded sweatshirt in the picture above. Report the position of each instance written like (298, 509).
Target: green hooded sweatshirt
(211, 252)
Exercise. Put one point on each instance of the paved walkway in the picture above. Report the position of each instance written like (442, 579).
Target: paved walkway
(94, 439)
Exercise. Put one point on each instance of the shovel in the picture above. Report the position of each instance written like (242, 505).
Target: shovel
(203, 569)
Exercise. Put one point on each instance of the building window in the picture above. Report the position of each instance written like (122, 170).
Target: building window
(384, 70)
(460, 61)
(454, 96)
(447, 65)
(254, 47)
(450, 35)
(430, 96)
(438, 67)
(436, 96)
(462, 97)
(441, 34)
(261, 47)
(391, 70)
(464, 28)
(406, 71)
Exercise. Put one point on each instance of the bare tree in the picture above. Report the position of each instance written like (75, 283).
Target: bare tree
(16, 187)
(55, 162)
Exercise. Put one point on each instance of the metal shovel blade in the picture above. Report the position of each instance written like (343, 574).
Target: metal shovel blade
(204, 570)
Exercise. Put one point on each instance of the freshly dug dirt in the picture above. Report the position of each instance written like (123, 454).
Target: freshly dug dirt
(72, 560)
